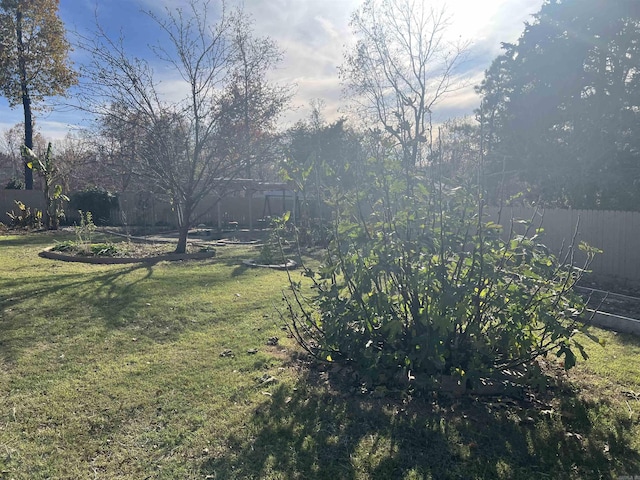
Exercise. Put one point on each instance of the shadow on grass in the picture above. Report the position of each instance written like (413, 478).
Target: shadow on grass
(97, 297)
(628, 339)
(31, 239)
(45, 286)
(316, 431)
(142, 301)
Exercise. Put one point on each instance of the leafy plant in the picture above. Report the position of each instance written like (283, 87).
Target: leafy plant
(107, 249)
(53, 196)
(84, 231)
(272, 251)
(66, 246)
(421, 283)
(26, 217)
(104, 249)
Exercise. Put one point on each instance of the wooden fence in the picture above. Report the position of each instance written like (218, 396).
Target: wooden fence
(31, 198)
(144, 209)
(245, 211)
(616, 233)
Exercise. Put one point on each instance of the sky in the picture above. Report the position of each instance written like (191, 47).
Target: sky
(313, 35)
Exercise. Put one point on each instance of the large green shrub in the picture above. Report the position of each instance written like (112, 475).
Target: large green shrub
(418, 283)
(97, 201)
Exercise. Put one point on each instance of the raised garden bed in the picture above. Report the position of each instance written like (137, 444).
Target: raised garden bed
(614, 311)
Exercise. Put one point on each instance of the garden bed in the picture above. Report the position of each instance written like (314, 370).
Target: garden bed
(123, 253)
(614, 311)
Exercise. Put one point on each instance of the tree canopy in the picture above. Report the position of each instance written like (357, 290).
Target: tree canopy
(561, 107)
(34, 60)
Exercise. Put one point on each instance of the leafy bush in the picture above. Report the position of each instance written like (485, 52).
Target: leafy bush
(97, 201)
(425, 285)
(26, 217)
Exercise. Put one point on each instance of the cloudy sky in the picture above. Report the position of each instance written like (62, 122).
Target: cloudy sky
(312, 33)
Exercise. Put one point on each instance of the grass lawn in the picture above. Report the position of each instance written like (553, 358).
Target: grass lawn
(134, 372)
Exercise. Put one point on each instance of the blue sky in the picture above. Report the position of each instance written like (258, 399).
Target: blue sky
(313, 35)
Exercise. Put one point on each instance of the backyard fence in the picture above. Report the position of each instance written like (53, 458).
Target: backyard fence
(31, 198)
(616, 233)
(248, 211)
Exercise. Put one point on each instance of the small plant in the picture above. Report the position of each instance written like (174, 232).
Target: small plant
(26, 217)
(84, 231)
(66, 246)
(104, 249)
(272, 250)
(269, 251)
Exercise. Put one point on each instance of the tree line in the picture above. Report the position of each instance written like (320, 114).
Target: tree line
(557, 122)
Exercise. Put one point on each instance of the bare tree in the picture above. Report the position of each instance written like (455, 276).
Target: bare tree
(400, 67)
(77, 162)
(11, 143)
(178, 143)
(251, 103)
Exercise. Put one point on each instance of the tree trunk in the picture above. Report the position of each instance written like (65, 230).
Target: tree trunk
(184, 220)
(26, 101)
(183, 232)
(46, 215)
(28, 140)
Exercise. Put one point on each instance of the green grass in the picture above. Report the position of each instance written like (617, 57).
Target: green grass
(115, 372)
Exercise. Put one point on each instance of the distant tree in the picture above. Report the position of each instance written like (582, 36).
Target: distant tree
(179, 145)
(321, 158)
(320, 155)
(77, 161)
(561, 107)
(251, 103)
(400, 68)
(33, 59)
(117, 143)
(11, 142)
